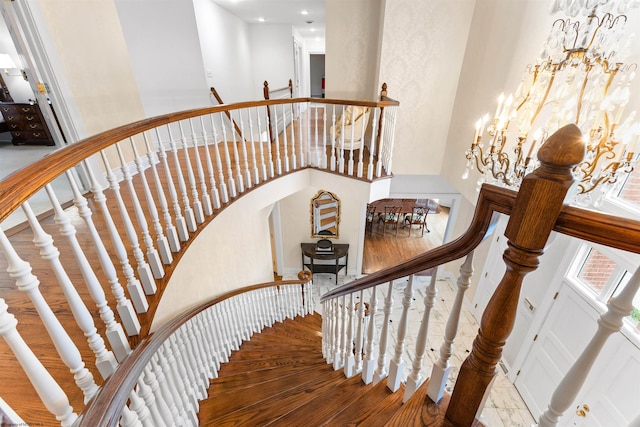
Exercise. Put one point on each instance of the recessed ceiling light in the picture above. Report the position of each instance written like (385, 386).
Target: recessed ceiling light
(304, 12)
(313, 30)
(261, 19)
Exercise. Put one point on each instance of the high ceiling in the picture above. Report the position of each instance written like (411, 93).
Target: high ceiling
(310, 26)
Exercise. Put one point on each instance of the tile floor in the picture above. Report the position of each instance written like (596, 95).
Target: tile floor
(504, 406)
(14, 157)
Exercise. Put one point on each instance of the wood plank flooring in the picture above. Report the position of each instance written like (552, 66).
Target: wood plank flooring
(15, 388)
(382, 251)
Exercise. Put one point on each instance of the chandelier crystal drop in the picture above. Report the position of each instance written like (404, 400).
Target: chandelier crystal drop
(580, 77)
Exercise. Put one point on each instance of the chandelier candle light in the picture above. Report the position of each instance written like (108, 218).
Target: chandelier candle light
(579, 78)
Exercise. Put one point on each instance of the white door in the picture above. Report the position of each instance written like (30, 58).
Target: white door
(610, 395)
(555, 349)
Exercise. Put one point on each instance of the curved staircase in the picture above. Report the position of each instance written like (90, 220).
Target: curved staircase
(279, 378)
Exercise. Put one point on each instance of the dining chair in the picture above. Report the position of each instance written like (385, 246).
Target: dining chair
(418, 217)
(391, 216)
(371, 214)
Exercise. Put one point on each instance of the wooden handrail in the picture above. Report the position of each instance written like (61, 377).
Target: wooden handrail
(17, 188)
(216, 95)
(491, 199)
(105, 407)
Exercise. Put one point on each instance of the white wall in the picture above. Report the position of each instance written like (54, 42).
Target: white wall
(226, 52)
(164, 50)
(92, 52)
(295, 213)
(18, 87)
(271, 56)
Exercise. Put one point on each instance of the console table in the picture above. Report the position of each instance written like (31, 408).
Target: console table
(310, 255)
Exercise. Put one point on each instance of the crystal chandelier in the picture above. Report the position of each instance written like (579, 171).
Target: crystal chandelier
(580, 77)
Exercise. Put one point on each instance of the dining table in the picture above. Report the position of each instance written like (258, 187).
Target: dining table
(406, 207)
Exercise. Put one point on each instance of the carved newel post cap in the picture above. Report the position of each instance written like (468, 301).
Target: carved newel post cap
(564, 148)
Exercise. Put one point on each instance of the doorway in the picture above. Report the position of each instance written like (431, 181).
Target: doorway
(316, 75)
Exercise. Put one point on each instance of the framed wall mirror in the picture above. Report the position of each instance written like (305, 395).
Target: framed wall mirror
(325, 215)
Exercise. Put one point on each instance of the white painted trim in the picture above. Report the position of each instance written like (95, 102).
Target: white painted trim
(36, 49)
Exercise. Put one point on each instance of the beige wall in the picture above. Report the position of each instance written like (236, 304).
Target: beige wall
(90, 47)
(351, 46)
(423, 45)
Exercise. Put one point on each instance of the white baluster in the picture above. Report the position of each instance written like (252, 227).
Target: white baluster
(129, 418)
(359, 333)
(326, 326)
(308, 133)
(315, 140)
(352, 126)
(161, 240)
(194, 360)
(206, 200)
(167, 390)
(333, 138)
(227, 159)
(212, 180)
(361, 151)
(370, 359)
(197, 205)
(381, 147)
(415, 378)
(372, 146)
(337, 339)
(144, 272)
(224, 193)
(256, 171)
(276, 141)
(223, 350)
(189, 216)
(343, 330)
(341, 148)
(139, 406)
(149, 390)
(168, 364)
(440, 370)
(105, 360)
(284, 134)
(115, 333)
(324, 137)
(349, 360)
(236, 157)
(51, 394)
(381, 371)
(29, 284)
(609, 323)
(396, 367)
(133, 285)
(124, 306)
(181, 224)
(300, 139)
(245, 155)
(183, 377)
(264, 137)
(294, 159)
(152, 254)
(172, 235)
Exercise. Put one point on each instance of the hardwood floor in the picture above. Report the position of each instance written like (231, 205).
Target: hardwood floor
(381, 251)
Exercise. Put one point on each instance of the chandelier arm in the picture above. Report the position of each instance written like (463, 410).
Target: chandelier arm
(533, 82)
(546, 95)
(589, 67)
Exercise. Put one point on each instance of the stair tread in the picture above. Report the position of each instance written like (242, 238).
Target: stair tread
(322, 406)
(369, 406)
(264, 363)
(411, 412)
(249, 379)
(271, 409)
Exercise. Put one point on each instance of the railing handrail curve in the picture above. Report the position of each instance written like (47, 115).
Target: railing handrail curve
(596, 227)
(491, 199)
(15, 189)
(106, 405)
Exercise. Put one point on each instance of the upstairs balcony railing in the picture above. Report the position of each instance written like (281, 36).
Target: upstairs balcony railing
(140, 194)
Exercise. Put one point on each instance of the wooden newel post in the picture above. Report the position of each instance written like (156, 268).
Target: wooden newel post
(535, 212)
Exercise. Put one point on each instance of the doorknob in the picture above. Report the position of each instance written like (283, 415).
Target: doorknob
(582, 411)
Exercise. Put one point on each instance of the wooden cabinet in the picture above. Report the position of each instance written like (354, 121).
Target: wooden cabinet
(26, 124)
